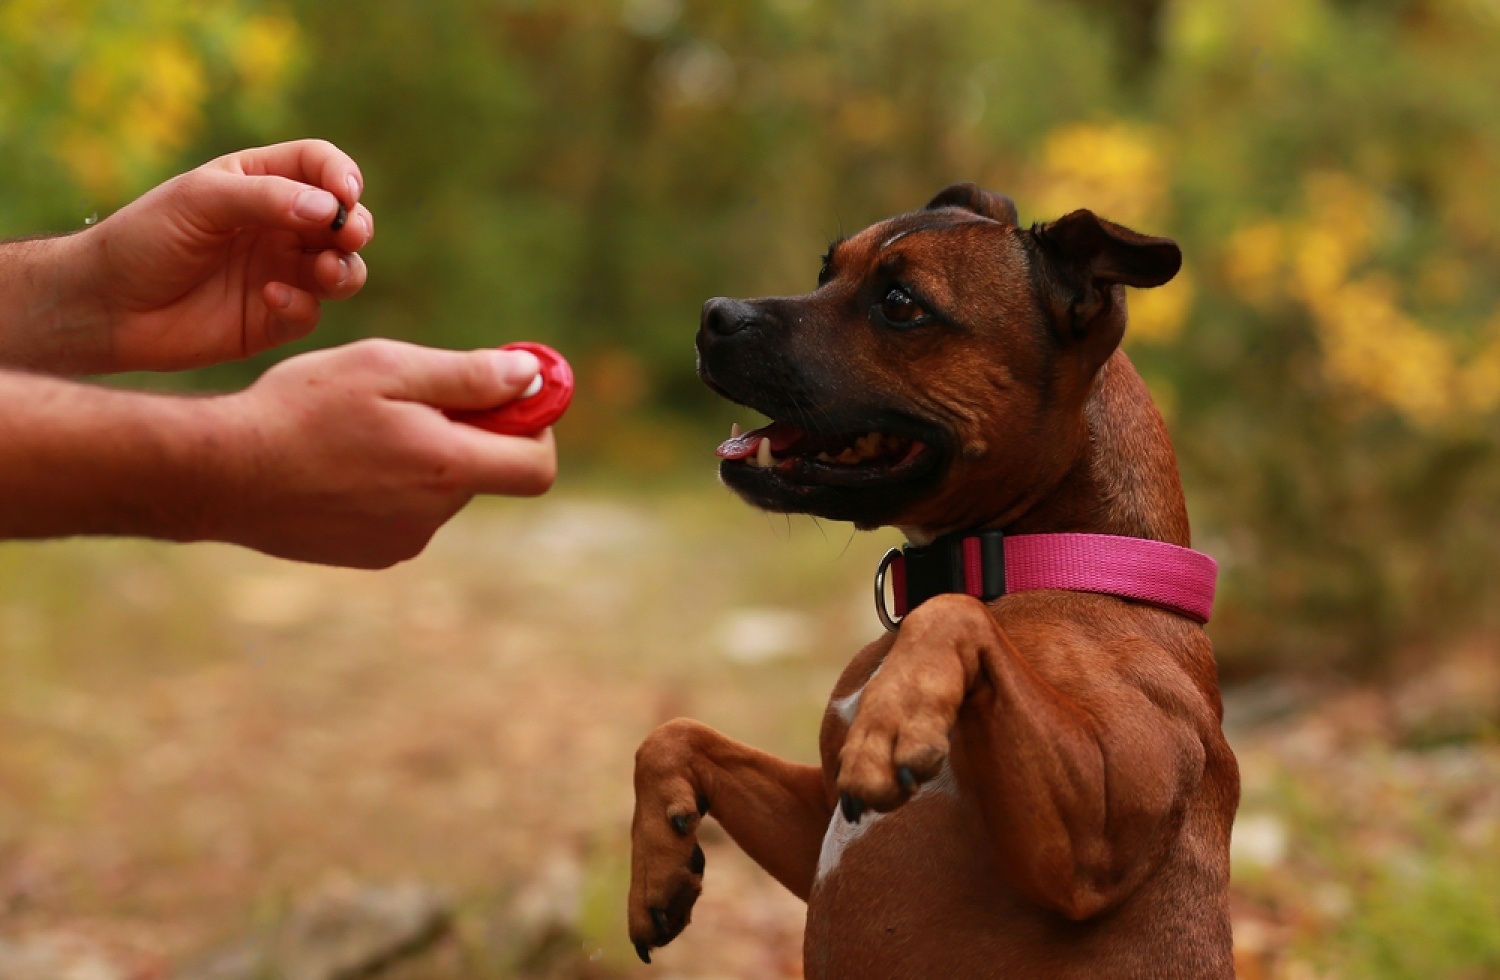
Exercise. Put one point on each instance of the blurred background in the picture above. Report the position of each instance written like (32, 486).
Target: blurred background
(207, 757)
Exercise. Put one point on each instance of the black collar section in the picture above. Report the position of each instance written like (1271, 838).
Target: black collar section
(972, 563)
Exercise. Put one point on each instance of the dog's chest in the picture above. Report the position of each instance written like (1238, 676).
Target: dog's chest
(842, 834)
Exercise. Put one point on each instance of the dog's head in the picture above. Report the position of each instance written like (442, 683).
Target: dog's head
(936, 377)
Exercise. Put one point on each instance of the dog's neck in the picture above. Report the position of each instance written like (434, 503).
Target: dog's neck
(1124, 483)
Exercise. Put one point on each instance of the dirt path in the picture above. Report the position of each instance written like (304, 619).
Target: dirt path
(194, 739)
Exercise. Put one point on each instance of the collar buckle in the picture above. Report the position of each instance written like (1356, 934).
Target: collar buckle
(972, 564)
(891, 557)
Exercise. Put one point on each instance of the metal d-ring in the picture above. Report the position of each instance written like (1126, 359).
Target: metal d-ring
(880, 607)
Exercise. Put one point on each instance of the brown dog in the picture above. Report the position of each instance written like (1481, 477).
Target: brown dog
(1052, 791)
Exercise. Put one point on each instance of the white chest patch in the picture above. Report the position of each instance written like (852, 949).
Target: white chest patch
(841, 833)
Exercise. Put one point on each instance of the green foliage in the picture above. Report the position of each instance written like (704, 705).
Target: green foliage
(1396, 870)
(99, 98)
(587, 172)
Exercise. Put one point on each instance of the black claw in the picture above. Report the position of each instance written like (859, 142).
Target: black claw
(698, 861)
(659, 919)
(644, 952)
(906, 779)
(341, 217)
(852, 807)
(702, 805)
(679, 824)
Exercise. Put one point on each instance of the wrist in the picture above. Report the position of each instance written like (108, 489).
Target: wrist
(211, 458)
(51, 317)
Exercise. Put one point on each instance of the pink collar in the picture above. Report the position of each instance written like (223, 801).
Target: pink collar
(989, 564)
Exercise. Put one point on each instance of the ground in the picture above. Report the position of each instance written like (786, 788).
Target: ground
(195, 739)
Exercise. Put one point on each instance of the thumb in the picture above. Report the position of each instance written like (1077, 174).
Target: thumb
(464, 379)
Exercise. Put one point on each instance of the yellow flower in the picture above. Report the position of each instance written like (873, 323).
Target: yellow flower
(1254, 261)
(1372, 345)
(265, 49)
(1479, 379)
(1113, 169)
(1157, 315)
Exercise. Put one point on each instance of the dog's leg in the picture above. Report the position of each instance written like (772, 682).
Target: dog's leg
(1082, 791)
(776, 811)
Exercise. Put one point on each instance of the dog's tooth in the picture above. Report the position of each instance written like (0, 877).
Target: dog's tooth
(734, 430)
(848, 456)
(824, 457)
(763, 456)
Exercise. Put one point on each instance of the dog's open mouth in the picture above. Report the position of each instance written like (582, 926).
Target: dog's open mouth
(847, 459)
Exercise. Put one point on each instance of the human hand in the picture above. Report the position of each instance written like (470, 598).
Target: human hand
(344, 456)
(219, 263)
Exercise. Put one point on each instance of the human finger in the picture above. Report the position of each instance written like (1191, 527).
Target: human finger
(516, 466)
(292, 313)
(352, 227)
(359, 229)
(309, 161)
(460, 379)
(221, 202)
(331, 274)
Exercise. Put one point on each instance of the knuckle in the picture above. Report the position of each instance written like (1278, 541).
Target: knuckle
(181, 191)
(476, 377)
(534, 476)
(320, 146)
(449, 481)
(375, 354)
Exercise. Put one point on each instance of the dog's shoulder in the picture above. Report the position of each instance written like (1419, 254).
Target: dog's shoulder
(1081, 642)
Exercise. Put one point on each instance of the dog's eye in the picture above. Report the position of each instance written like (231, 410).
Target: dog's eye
(898, 307)
(825, 271)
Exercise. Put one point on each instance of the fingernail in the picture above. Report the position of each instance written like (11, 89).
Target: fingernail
(279, 295)
(313, 205)
(343, 271)
(353, 185)
(516, 366)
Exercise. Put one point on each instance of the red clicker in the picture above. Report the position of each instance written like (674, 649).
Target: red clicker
(540, 405)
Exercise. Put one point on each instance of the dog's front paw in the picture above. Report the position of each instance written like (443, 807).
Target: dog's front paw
(898, 738)
(888, 754)
(666, 861)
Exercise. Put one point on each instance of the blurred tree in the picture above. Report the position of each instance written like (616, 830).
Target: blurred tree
(1336, 389)
(587, 172)
(98, 98)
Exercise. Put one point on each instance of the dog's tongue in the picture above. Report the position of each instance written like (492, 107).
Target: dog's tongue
(744, 445)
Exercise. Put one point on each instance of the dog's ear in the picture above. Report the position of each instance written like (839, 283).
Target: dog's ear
(1108, 252)
(970, 196)
(1084, 259)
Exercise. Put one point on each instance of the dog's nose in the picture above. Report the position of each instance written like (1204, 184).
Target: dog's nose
(726, 316)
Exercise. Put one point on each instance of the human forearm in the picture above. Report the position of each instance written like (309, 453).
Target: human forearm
(343, 457)
(82, 459)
